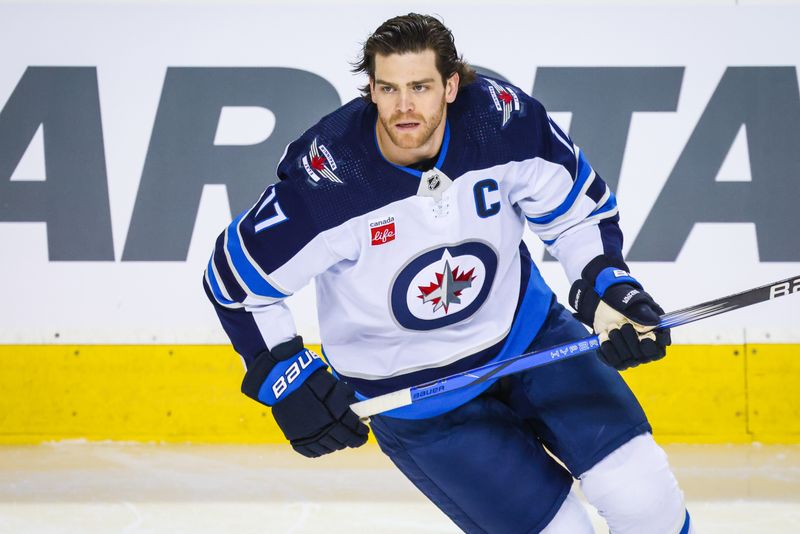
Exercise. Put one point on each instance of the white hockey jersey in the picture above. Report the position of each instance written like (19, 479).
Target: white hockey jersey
(418, 275)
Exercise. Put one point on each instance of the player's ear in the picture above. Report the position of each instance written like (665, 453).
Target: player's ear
(451, 88)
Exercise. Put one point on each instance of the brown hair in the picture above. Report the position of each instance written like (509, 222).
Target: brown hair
(414, 33)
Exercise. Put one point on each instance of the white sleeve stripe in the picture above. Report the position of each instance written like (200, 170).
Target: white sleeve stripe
(551, 238)
(230, 304)
(558, 136)
(571, 210)
(231, 267)
(603, 214)
(220, 282)
(604, 198)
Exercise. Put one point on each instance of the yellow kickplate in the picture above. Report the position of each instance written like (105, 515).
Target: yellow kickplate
(695, 393)
(773, 385)
(698, 394)
(142, 393)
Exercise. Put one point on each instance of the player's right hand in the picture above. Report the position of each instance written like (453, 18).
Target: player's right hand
(310, 405)
(624, 319)
(621, 313)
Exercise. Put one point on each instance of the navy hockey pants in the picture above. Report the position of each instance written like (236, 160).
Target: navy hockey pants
(483, 463)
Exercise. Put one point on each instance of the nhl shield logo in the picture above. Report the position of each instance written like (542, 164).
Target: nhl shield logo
(505, 99)
(319, 164)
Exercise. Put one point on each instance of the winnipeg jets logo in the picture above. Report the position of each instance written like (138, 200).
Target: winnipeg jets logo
(447, 288)
(319, 164)
(443, 285)
(505, 99)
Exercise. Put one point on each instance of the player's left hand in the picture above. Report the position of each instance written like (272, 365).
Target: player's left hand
(310, 405)
(623, 317)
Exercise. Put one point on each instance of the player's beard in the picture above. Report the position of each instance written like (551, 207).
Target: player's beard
(413, 139)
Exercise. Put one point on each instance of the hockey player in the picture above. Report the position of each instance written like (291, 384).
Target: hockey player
(407, 207)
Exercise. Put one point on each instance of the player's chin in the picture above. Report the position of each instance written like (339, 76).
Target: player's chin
(408, 140)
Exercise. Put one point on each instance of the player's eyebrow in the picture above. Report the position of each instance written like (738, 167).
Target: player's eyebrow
(420, 82)
(409, 84)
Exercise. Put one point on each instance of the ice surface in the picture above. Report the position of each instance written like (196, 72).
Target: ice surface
(120, 487)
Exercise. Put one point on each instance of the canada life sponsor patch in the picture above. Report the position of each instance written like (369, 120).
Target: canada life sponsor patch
(505, 99)
(382, 231)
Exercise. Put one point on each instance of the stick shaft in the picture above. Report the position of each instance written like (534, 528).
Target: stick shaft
(495, 370)
(731, 302)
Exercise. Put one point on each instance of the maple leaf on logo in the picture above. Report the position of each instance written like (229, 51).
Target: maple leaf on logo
(318, 163)
(505, 97)
(447, 288)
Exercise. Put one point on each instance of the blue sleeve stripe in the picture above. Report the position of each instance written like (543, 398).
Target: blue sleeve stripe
(609, 205)
(224, 272)
(584, 172)
(215, 287)
(254, 280)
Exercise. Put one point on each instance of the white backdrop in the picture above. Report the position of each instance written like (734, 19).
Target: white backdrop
(132, 46)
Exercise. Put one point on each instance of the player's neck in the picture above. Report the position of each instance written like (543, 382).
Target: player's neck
(407, 156)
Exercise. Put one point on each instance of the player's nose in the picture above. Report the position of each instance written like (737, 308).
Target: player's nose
(405, 102)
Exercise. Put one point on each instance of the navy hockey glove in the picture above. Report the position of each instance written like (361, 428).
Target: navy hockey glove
(614, 304)
(310, 405)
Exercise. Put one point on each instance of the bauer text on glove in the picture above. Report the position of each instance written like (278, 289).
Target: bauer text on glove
(613, 303)
(310, 405)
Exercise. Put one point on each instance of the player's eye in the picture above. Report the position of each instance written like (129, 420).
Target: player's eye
(386, 89)
(419, 88)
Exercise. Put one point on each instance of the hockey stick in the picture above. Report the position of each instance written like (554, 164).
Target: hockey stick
(492, 371)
